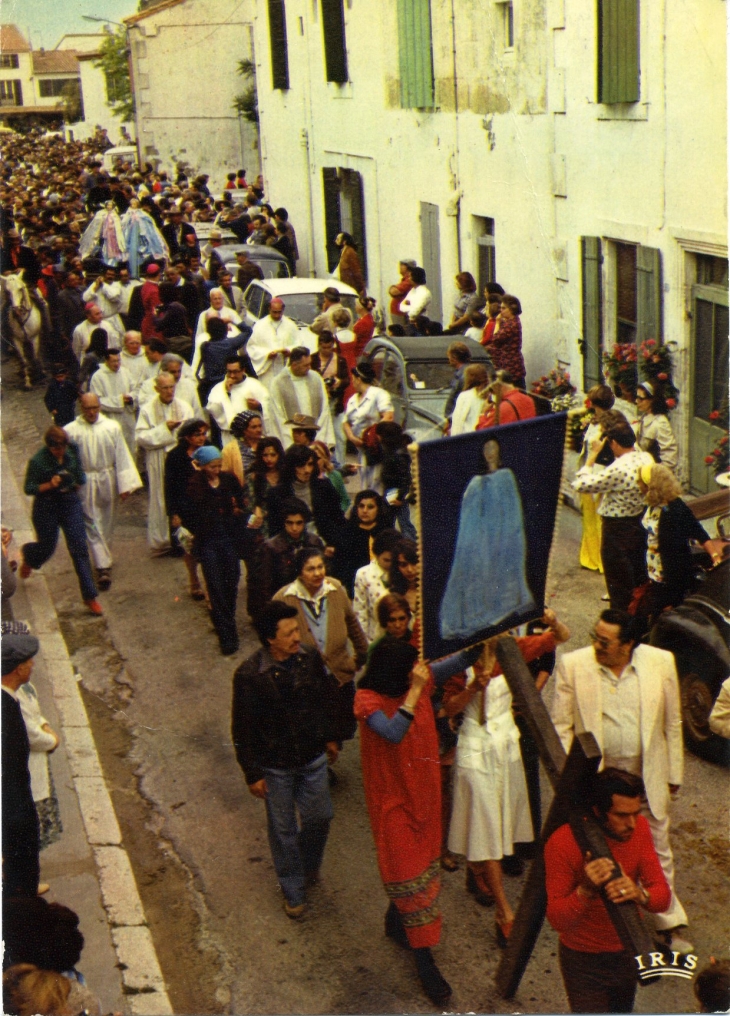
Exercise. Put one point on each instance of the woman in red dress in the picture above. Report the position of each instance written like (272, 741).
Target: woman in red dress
(402, 780)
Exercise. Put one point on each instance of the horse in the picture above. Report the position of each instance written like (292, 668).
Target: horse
(24, 321)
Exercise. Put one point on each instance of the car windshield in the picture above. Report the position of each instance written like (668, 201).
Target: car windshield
(273, 269)
(304, 307)
(431, 374)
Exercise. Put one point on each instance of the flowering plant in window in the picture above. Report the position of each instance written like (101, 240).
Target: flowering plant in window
(578, 422)
(556, 382)
(621, 365)
(719, 460)
(655, 365)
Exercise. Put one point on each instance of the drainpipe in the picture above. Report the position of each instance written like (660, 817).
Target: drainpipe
(456, 199)
(304, 141)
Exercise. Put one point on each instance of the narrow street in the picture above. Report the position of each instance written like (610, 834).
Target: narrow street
(158, 695)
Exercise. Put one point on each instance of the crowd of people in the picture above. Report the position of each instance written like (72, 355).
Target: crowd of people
(251, 448)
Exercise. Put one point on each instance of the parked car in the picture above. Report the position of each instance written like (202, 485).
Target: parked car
(203, 231)
(273, 264)
(417, 374)
(698, 634)
(303, 299)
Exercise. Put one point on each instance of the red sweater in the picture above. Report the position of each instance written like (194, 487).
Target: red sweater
(513, 407)
(584, 924)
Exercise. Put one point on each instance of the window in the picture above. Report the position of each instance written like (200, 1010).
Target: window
(9, 61)
(11, 93)
(415, 57)
(486, 260)
(618, 51)
(335, 49)
(117, 89)
(508, 24)
(709, 375)
(52, 87)
(344, 212)
(636, 300)
(279, 51)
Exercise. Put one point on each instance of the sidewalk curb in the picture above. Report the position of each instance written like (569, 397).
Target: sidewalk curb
(143, 984)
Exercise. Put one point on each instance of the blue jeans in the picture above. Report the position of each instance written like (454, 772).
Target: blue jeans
(403, 515)
(297, 849)
(54, 511)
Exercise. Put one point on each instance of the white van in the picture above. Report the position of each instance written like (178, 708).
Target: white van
(125, 153)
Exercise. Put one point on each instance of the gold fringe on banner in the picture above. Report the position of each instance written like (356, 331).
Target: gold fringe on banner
(567, 447)
(416, 486)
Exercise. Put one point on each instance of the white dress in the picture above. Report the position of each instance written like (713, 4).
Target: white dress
(491, 809)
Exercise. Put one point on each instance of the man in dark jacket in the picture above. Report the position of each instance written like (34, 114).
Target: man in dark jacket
(277, 568)
(20, 835)
(284, 731)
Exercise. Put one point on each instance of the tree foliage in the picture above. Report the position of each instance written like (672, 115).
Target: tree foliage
(73, 103)
(246, 102)
(114, 62)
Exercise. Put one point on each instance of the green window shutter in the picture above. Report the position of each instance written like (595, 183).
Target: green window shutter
(332, 220)
(279, 50)
(618, 51)
(357, 211)
(415, 54)
(592, 340)
(335, 49)
(649, 324)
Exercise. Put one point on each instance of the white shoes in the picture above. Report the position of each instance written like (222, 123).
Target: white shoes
(673, 939)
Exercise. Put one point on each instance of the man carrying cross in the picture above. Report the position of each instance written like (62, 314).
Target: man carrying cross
(599, 974)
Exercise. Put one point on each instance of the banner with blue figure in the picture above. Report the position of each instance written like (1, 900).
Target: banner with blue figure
(487, 503)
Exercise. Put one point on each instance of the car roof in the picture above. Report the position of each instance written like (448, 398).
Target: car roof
(426, 347)
(280, 287)
(256, 251)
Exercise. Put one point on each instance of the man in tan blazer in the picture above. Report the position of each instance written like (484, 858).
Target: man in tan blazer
(627, 696)
(327, 622)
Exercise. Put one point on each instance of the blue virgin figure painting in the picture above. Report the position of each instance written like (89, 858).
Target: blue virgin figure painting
(487, 582)
(487, 504)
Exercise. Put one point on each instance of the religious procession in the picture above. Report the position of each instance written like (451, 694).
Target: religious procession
(381, 667)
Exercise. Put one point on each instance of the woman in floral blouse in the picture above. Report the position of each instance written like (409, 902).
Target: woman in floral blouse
(506, 343)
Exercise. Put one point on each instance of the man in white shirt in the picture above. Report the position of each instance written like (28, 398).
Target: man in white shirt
(236, 393)
(270, 341)
(185, 388)
(623, 537)
(299, 390)
(627, 696)
(417, 300)
(113, 386)
(106, 293)
(133, 359)
(110, 471)
(158, 421)
(82, 333)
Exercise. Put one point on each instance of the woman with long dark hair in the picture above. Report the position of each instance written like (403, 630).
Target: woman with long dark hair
(654, 433)
(264, 477)
(300, 478)
(370, 514)
(179, 471)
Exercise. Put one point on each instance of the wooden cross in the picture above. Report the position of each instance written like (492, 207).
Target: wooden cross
(569, 776)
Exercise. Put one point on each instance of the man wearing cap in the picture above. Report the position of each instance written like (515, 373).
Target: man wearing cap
(20, 832)
(399, 290)
(158, 421)
(214, 262)
(106, 293)
(82, 333)
(16, 257)
(175, 231)
(235, 394)
(300, 391)
(114, 388)
(110, 471)
(331, 303)
(247, 270)
(270, 341)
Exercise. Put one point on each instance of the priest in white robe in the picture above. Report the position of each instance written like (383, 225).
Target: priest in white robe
(185, 388)
(110, 473)
(112, 383)
(156, 433)
(107, 294)
(235, 394)
(270, 342)
(299, 390)
(133, 359)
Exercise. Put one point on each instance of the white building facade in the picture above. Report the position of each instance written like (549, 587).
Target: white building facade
(185, 56)
(556, 146)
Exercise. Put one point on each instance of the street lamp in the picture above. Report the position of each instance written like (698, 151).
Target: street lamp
(103, 21)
